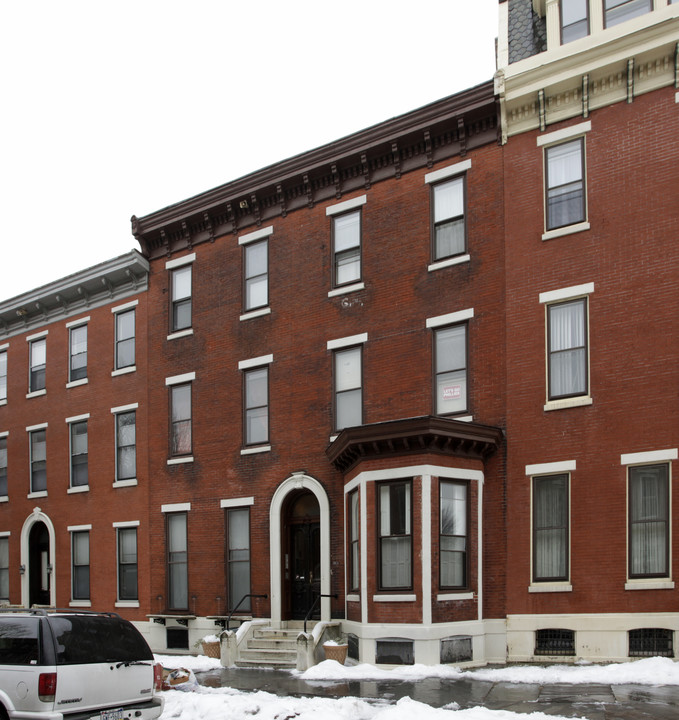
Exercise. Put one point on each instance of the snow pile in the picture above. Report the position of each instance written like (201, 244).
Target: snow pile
(197, 663)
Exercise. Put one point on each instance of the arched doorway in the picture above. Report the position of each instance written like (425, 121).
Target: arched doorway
(39, 568)
(301, 542)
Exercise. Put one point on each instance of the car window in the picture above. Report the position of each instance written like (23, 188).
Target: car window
(96, 639)
(19, 641)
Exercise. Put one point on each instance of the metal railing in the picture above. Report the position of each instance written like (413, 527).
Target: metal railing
(240, 602)
(313, 607)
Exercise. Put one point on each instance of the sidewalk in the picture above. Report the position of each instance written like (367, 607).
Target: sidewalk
(595, 702)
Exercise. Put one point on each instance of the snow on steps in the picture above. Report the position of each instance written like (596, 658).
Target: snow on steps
(272, 647)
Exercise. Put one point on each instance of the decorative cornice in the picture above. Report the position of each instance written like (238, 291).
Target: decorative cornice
(98, 285)
(443, 129)
(428, 434)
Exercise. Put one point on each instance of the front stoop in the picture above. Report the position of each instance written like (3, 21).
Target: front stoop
(271, 647)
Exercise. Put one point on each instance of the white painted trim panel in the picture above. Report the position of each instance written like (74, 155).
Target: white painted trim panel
(553, 467)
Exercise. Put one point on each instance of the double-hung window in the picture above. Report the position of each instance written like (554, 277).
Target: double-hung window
(450, 376)
(395, 535)
(80, 565)
(125, 339)
(181, 298)
(574, 20)
(3, 376)
(565, 183)
(127, 563)
(177, 561)
(180, 420)
(567, 351)
(38, 364)
(353, 534)
(347, 242)
(649, 528)
(256, 276)
(78, 443)
(77, 365)
(256, 406)
(449, 230)
(126, 445)
(238, 557)
(3, 465)
(348, 387)
(618, 11)
(38, 451)
(453, 539)
(4, 569)
(550, 527)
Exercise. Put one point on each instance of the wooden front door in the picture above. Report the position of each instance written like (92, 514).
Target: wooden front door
(302, 542)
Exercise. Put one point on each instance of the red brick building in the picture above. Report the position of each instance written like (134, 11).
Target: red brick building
(423, 374)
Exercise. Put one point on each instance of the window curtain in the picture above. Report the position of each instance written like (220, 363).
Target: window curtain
(550, 520)
(565, 194)
(648, 498)
(568, 367)
(395, 540)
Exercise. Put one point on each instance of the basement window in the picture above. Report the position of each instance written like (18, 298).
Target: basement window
(394, 651)
(651, 642)
(554, 641)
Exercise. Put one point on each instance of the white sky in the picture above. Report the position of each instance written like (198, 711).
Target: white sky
(201, 703)
(118, 108)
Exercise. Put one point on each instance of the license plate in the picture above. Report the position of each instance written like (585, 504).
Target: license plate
(112, 714)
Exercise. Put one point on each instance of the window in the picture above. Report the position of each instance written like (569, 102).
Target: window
(180, 412)
(450, 383)
(648, 499)
(554, 641)
(126, 446)
(238, 557)
(395, 538)
(3, 466)
(453, 540)
(565, 183)
(177, 562)
(449, 236)
(574, 20)
(550, 528)
(354, 558)
(78, 353)
(256, 392)
(346, 233)
(81, 565)
(127, 563)
(651, 642)
(125, 334)
(78, 453)
(38, 460)
(181, 298)
(3, 375)
(4, 570)
(256, 274)
(617, 11)
(567, 352)
(38, 352)
(348, 392)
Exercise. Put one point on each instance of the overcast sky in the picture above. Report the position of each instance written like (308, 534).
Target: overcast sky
(118, 108)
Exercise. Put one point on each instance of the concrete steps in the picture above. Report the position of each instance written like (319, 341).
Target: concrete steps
(272, 647)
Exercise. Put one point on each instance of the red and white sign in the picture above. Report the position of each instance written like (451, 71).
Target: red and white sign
(452, 392)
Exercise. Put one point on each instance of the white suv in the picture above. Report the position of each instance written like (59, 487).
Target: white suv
(64, 665)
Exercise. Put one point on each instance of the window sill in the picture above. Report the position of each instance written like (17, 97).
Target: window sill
(80, 603)
(3, 402)
(550, 587)
(649, 585)
(4, 498)
(255, 313)
(38, 494)
(79, 489)
(127, 603)
(455, 596)
(352, 597)
(181, 460)
(346, 289)
(36, 393)
(567, 403)
(394, 598)
(180, 334)
(125, 483)
(448, 262)
(256, 450)
(568, 230)
(124, 371)
(77, 383)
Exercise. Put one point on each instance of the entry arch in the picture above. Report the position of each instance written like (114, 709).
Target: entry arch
(35, 518)
(294, 483)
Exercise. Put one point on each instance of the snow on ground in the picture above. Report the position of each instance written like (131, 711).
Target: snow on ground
(228, 704)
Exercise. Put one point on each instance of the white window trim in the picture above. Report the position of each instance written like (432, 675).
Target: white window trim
(347, 205)
(457, 260)
(4, 434)
(256, 235)
(129, 482)
(647, 458)
(36, 393)
(256, 313)
(124, 307)
(77, 418)
(179, 379)
(447, 172)
(77, 489)
(347, 341)
(180, 334)
(175, 507)
(552, 468)
(565, 230)
(128, 524)
(344, 289)
(79, 528)
(76, 383)
(180, 262)
(255, 362)
(649, 585)
(80, 603)
(40, 426)
(558, 136)
(37, 494)
(37, 336)
(450, 318)
(124, 371)
(550, 587)
(5, 346)
(124, 408)
(568, 293)
(180, 460)
(237, 502)
(255, 450)
(409, 597)
(77, 323)
(353, 597)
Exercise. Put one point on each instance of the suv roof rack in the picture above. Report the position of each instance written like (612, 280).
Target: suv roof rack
(44, 611)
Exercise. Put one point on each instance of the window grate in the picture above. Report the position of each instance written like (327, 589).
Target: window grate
(554, 642)
(651, 642)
